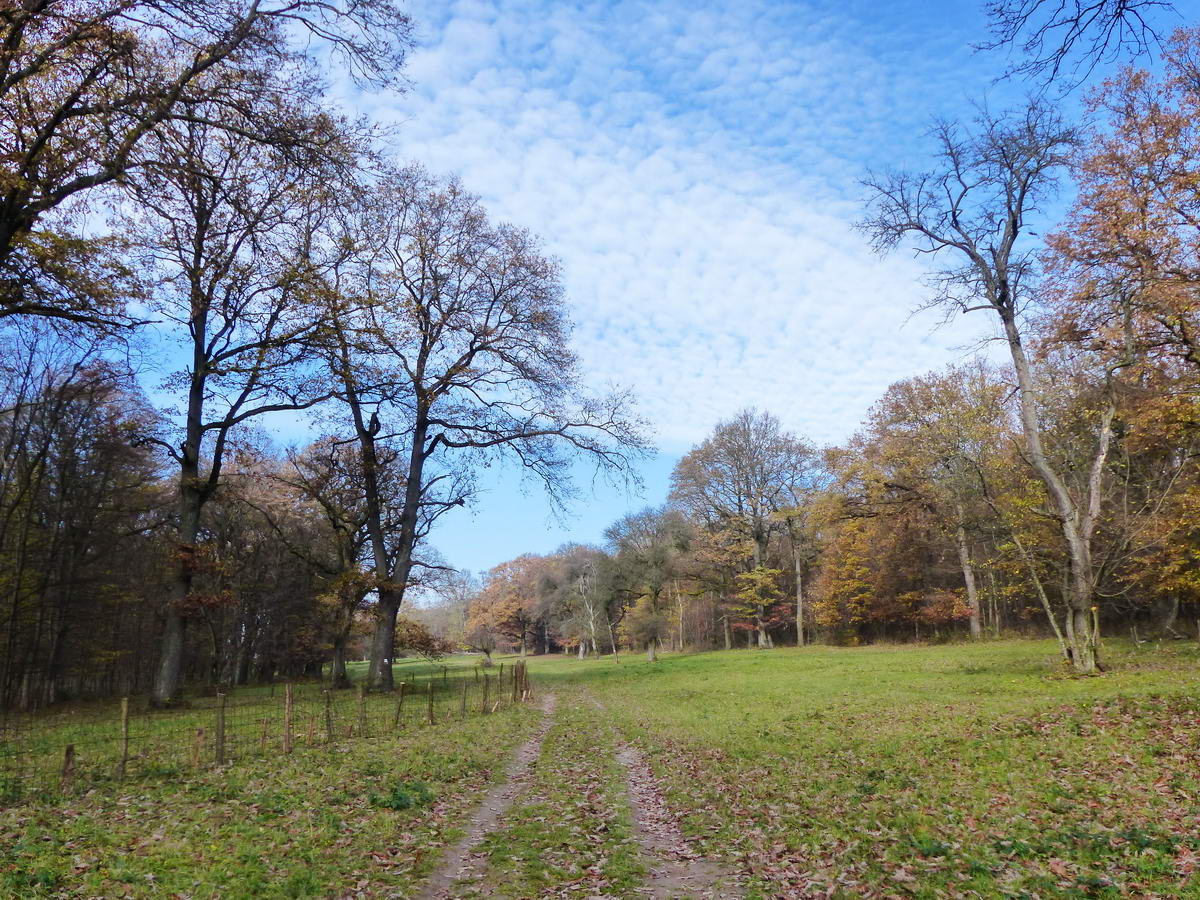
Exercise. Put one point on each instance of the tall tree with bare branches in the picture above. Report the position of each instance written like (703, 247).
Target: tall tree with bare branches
(220, 224)
(971, 213)
(449, 343)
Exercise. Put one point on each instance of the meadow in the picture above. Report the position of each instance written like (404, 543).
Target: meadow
(944, 771)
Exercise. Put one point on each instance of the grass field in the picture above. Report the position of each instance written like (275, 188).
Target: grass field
(886, 771)
(931, 772)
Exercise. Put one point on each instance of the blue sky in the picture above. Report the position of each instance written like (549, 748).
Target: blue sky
(695, 168)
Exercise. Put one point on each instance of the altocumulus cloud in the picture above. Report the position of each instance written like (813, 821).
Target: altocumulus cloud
(694, 167)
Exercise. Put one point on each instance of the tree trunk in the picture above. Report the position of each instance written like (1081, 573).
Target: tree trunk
(168, 684)
(799, 595)
(964, 560)
(679, 607)
(728, 634)
(1077, 524)
(383, 642)
(994, 603)
(650, 651)
(337, 667)
(1168, 623)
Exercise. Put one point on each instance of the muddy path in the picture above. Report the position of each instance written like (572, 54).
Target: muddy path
(676, 870)
(461, 861)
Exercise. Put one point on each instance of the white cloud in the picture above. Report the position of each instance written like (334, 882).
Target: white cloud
(694, 167)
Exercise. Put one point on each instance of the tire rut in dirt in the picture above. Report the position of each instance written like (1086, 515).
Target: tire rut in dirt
(461, 861)
(676, 870)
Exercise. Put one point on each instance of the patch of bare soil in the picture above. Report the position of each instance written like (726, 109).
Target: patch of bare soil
(462, 860)
(676, 870)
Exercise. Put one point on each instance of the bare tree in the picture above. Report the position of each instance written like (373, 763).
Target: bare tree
(219, 224)
(449, 343)
(1070, 38)
(971, 212)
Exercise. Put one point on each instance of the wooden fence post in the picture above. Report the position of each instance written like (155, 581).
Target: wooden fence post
(328, 716)
(362, 710)
(400, 705)
(68, 769)
(124, 738)
(220, 729)
(445, 672)
(198, 748)
(287, 718)
(430, 710)
(483, 702)
(462, 706)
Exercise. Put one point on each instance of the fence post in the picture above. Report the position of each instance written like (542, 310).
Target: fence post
(462, 706)
(516, 680)
(287, 718)
(362, 710)
(68, 769)
(500, 680)
(220, 729)
(328, 716)
(400, 705)
(445, 672)
(483, 702)
(198, 748)
(430, 710)
(124, 738)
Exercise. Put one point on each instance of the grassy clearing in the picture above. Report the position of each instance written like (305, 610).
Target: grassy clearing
(166, 743)
(358, 816)
(887, 772)
(948, 771)
(365, 817)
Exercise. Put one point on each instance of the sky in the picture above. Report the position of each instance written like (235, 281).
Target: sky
(695, 168)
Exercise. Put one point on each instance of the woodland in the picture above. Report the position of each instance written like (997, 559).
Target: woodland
(953, 655)
(179, 199)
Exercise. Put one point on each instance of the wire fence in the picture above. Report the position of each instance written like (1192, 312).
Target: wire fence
(58, 753)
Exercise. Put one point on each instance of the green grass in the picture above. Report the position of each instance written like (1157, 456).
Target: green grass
(884, 771)
(358, 817)
(166, 743)
(924, 771)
